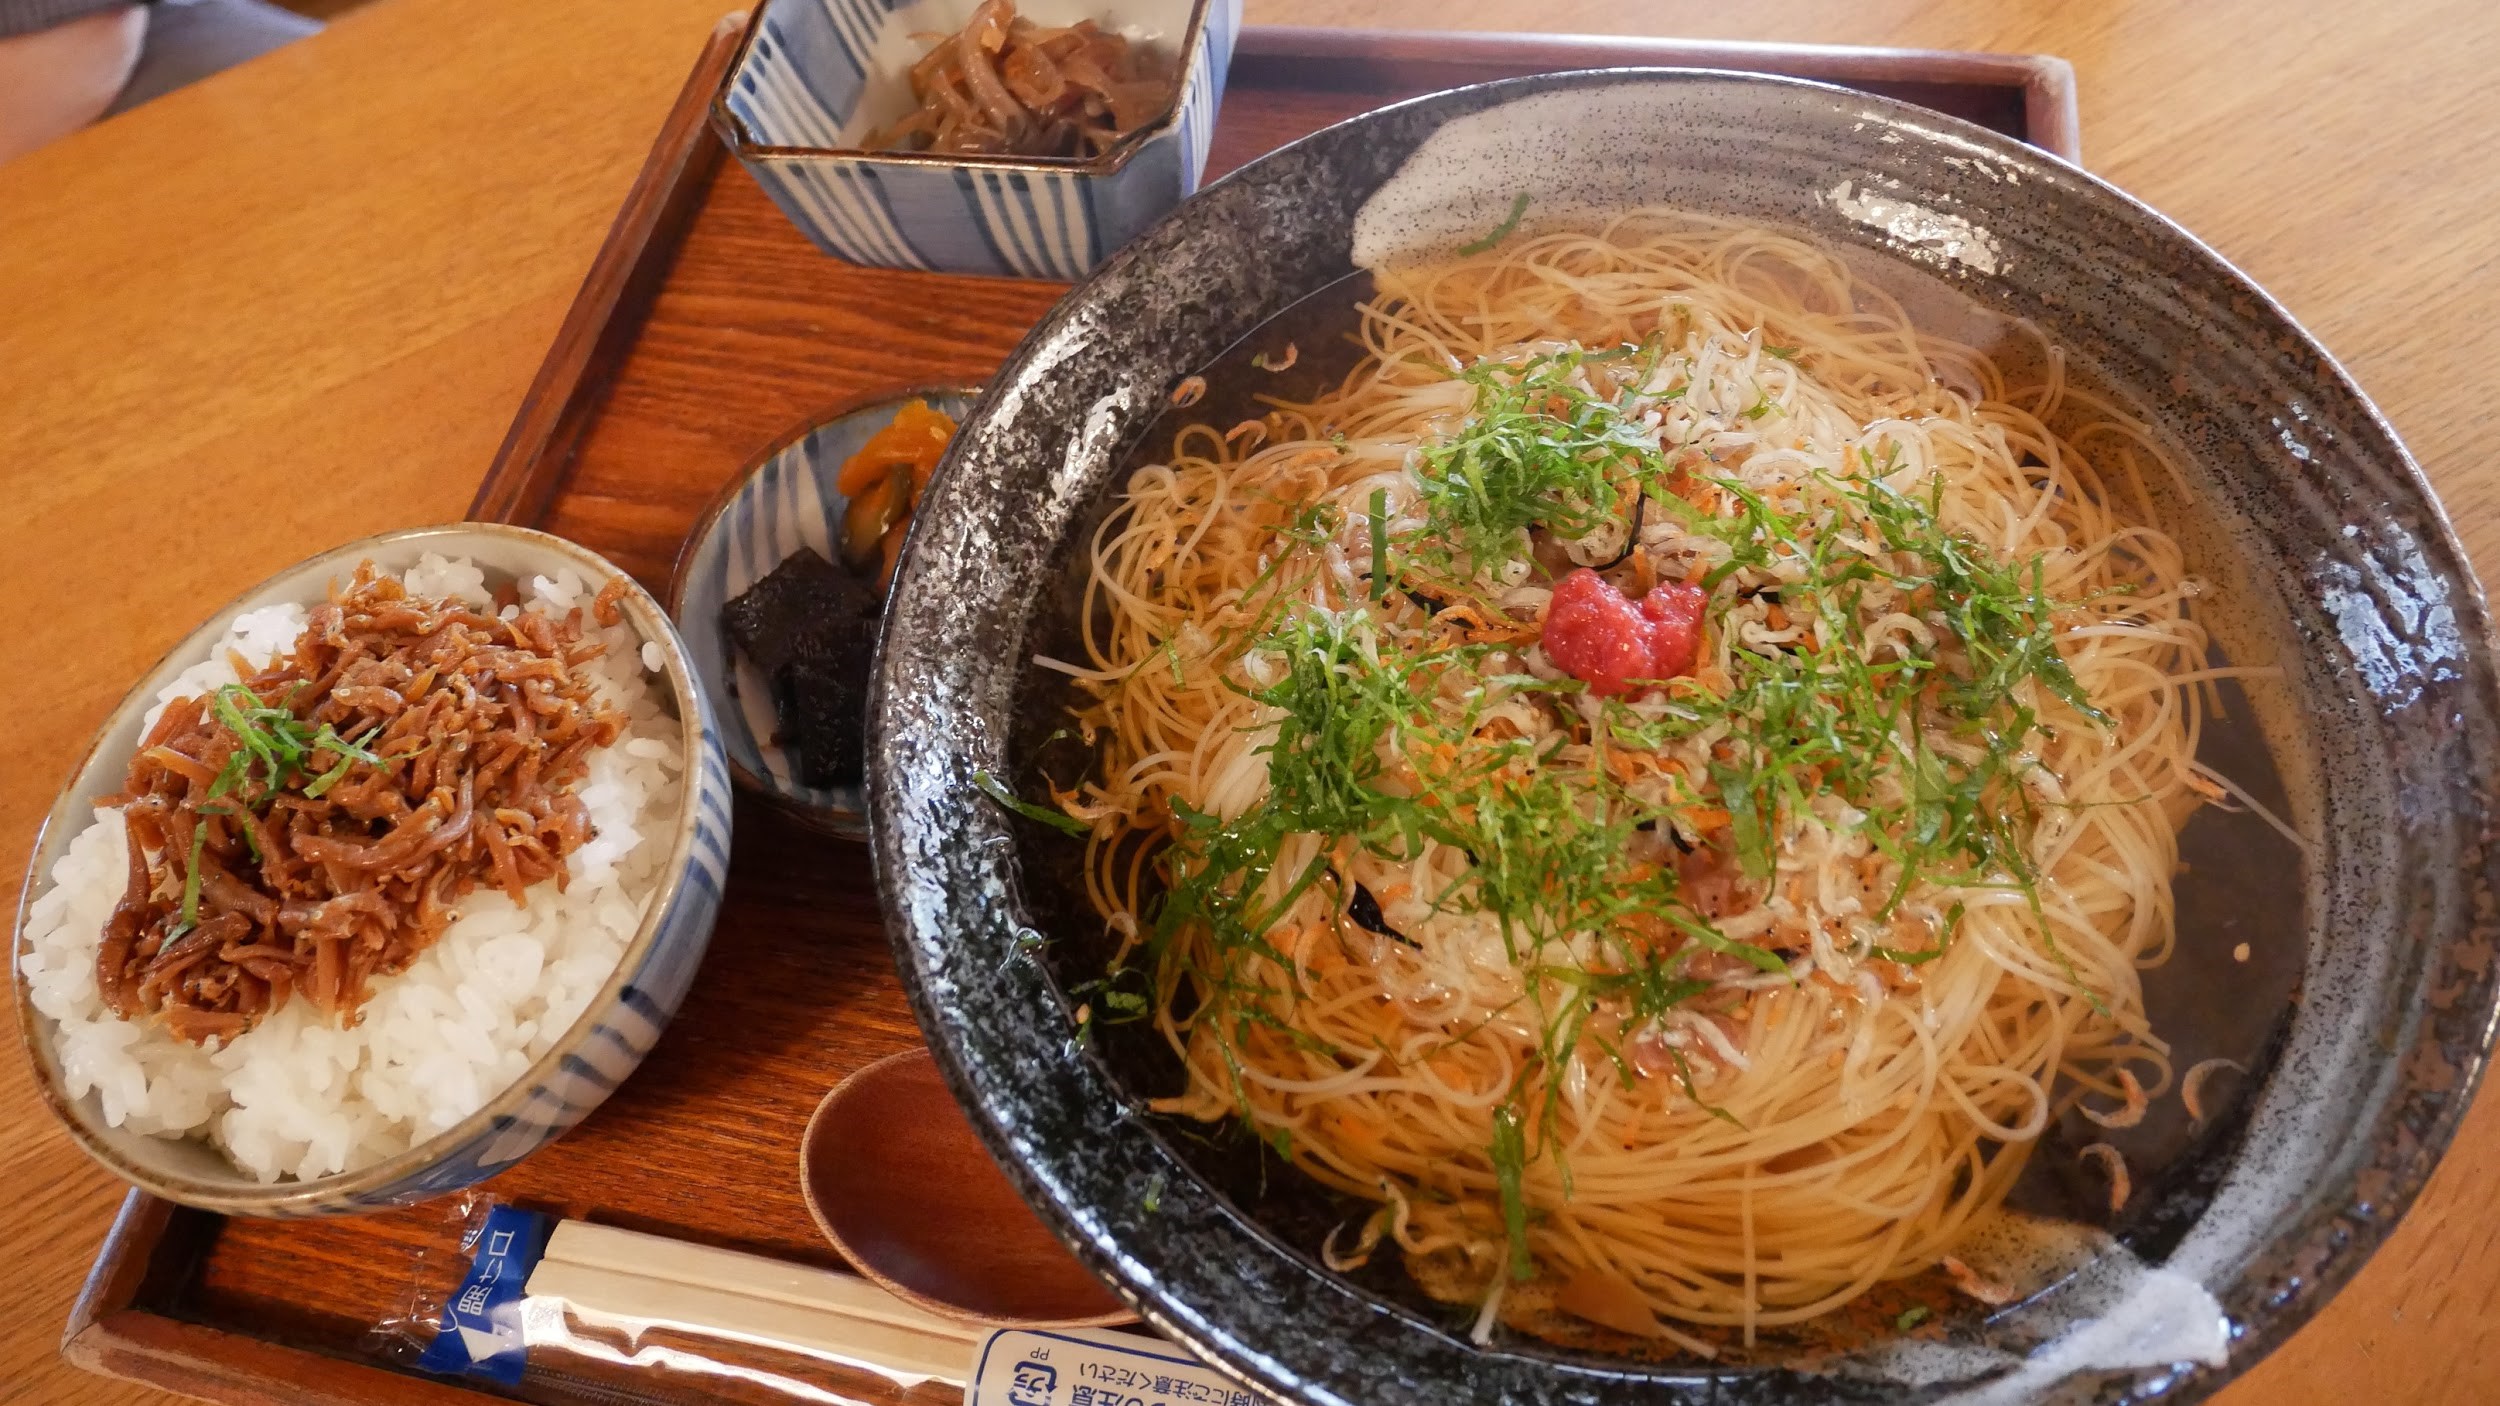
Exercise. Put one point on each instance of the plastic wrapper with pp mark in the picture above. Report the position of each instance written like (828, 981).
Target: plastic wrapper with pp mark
(526, 1305)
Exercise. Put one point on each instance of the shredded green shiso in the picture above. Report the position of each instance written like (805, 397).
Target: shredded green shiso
(1548, 840)
(275, 751)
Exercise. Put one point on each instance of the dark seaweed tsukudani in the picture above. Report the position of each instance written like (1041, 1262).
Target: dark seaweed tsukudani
(811, 628)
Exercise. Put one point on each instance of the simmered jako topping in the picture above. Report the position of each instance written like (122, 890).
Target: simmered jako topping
(1005, 86)
(313, 826)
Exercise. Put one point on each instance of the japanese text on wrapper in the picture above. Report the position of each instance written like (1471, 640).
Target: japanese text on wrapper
(1112, 1384)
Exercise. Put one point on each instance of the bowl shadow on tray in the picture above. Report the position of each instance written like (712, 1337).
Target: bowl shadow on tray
(2239, 882)
(802, 958)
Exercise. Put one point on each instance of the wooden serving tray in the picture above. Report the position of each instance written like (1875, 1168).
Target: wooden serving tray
(707, 328)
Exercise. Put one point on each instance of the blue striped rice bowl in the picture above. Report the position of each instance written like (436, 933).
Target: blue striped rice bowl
(814, 75)
(602, 1046)
(783, 501)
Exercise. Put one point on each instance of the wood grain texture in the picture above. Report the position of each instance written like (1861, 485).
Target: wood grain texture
(607, 314)
(302, 301)
(291, 305)
(600, 440)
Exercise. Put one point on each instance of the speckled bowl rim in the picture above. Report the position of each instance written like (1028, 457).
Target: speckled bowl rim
(2320, 1246)
(733, 133)
(834, 821)
(245, 1195)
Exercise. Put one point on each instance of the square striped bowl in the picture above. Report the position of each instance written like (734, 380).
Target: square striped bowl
(813, 76)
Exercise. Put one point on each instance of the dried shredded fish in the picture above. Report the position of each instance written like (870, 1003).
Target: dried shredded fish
(2130, 1114)
(1374, 1226)
(1993, 1293)
(1264, 362)
(2192, 1085)
(2115, 1167)
(311, 827)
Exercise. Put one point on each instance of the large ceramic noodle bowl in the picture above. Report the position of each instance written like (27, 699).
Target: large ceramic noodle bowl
(1629, 730)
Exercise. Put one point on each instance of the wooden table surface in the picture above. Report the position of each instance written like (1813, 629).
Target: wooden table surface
(300, 302)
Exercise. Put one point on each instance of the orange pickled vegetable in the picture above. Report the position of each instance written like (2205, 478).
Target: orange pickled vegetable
(884, 479)
(917, 439)
(872, 515)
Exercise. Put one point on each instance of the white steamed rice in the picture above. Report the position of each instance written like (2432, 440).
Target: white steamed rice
(297, 1096)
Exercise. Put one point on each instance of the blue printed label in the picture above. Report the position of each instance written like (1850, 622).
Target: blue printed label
(1079, 1367)
(481, 1328)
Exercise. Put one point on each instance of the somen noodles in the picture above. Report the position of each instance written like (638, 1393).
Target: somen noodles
(1665, 780)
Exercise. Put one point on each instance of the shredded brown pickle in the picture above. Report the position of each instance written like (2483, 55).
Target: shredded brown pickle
(313, 826)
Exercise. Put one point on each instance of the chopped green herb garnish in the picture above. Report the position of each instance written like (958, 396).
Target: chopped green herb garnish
(282, 745)
(1510, 1165)
(1818, 717)
(1684, 1073)
(191, 883)
(1547, 863)
(1380, 542)
(1380, 739)
(274, 751)
(1910, 1318)
(1540, 450)
(349, 754)
(1502, 231)
(997, 791)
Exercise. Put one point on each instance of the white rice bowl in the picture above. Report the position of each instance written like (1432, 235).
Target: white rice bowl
(296, 1096)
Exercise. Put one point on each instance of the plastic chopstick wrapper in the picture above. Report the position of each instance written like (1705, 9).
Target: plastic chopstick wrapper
(564, 1311)
(1084, 1367)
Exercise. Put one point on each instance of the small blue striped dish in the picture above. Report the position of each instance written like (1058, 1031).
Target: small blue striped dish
(783, 501)
(606, 1042)
(815, 75)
